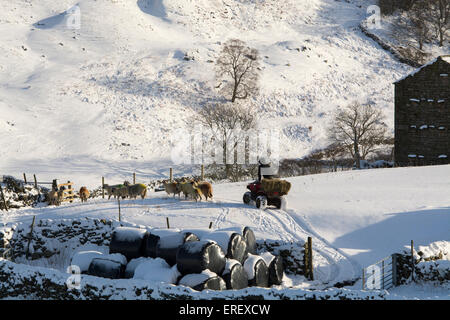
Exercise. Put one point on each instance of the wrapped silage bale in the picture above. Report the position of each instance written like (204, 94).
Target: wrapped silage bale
(250, 239)
(83, 259)
(156, 270)
(167, 246)
(275, 265)
(132, 265)
(235, 275)
(128, 241)
(233, 244)
(110, 266)
(196, 256)
(206, 280)
(257, 271)
(153, 236)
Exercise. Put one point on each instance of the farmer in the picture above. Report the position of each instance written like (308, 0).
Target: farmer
(265, 169)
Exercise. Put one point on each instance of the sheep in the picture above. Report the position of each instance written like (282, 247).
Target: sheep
(135, 190)
(84, 194)
(120, 191)
(61, 195)
(53, 197)
(190, 188)
(172, 187)
(110, 189)
(206, 189)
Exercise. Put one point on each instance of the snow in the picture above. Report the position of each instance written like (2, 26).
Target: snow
(267, 257)
(129, 234)
(171, 241)
(126, 78)
(229, 265)
(116, 257)
(442, 156)
(84, 258)
(194, 279)
(412, 155)
(133, 264)
(222, 238)
(434, 249)
(414, 100)
(249, 265)
(156, 270)
(423, 127)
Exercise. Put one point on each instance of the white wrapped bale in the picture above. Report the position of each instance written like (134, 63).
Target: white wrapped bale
(206, 280)
(132, 265)
(257, 271)
(232, 243)
(276, 269)
(128, 241)
(235, 275)
(196, 256)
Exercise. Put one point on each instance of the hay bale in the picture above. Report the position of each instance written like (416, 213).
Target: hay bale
(235, 275)
(275, 265)
(83, 259)
(276, 185)
(250, 239)
(151, 242)
(106, 268)
(167, 246)
(196, 256)
(232, 243)
(128, 241)
(257, 271)
(206, 280)
(156, 270)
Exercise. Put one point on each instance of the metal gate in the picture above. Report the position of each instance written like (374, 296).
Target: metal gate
(380, 275)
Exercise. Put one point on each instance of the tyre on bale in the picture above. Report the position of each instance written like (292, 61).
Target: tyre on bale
(197, 256)
(128, 241)
(257, 271)
(106, 268)
(167, 246)
(250, 239)
(206, 280)
(276, 269)
(235, 275)
(232, 243)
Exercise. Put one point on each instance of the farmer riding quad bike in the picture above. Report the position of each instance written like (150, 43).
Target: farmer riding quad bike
(268, 192)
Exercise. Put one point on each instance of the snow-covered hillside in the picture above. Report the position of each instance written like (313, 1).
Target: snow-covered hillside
(355, 218)
(105, 98)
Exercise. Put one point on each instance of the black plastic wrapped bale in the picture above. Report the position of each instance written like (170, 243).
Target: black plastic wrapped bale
(105, 268)
(167, 246)
(276, 269)
(128, 241)
(206, 280)
(232, 243)
(196, 256)
(250, 239)
(151, 243)
(257, 271)
(234, 275)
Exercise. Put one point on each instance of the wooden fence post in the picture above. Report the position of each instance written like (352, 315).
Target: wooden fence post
(310, 258)
(103, 187)
(30, 237)
(210, 225)
(202, 174)
(171, 174)
(394, 269)
(25, 178)
(3, 198)
(118, 201)
(363, 278)
(167, 222)
(412, 260)
(35, 181)
(134, 177)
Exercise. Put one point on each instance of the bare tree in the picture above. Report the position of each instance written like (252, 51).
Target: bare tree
(412, 26)
(439, 17)
(360, 129)
(237, 70)
(228, 124)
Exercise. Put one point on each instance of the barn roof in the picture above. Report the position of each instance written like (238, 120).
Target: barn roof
(445, 58)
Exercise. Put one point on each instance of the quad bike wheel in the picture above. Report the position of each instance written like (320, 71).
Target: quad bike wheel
(261, 202)
(247, 198)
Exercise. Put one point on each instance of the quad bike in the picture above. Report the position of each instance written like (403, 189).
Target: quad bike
(263, 198)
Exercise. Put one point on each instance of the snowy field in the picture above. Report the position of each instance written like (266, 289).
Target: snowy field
(355, 218)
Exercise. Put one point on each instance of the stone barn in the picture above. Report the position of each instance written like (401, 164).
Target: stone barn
(422, 115)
